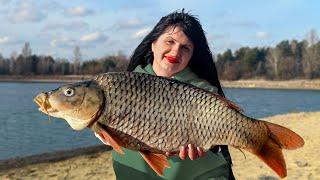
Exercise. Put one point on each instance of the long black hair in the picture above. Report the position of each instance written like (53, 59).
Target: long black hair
(201, 62)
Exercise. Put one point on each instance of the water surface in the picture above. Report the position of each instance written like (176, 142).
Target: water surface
(26, 131)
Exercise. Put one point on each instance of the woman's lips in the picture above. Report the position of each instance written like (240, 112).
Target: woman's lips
(172, 59)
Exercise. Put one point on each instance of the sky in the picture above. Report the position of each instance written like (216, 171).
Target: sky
(107, 27)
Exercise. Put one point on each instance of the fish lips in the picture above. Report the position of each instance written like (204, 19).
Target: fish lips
(44, 106)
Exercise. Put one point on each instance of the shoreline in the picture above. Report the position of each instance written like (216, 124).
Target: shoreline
(48, 157)
(84, 163)
(250, 83)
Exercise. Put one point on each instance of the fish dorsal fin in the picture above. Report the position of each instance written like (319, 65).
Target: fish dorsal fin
(158, 162)
(114, 142)
(229, 103)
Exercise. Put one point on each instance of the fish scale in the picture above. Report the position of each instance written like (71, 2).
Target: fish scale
(171, 107)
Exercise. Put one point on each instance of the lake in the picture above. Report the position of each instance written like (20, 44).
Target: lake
(26, 131)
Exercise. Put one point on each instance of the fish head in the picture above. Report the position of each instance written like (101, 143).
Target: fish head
(79, 103)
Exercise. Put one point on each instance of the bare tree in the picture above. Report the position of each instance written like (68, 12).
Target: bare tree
(1, 57)
(297, 52)
(311, 56)
(26, 50)
(13, 57)
(273, 58)
(312, 37)
(76, 59)
(311, 61)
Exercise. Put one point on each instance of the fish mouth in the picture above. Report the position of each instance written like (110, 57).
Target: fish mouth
(42, 100)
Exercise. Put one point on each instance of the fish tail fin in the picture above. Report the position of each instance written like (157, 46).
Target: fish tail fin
(271, 152)
(284, 137)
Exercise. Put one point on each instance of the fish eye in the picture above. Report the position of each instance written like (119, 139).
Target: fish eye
(69, 92)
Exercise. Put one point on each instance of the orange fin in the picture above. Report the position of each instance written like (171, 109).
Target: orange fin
(158, 162)
(285, 138)
(114, 142)
(271, 154)
(229, 103)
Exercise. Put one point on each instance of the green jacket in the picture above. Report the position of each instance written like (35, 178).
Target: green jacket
(212, 165)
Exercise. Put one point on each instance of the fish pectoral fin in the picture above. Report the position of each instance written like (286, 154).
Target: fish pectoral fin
(114, 142)
(158, 162)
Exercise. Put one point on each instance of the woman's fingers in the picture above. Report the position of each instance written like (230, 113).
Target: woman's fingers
(169, 154)
(200, 151)
(192, 153)
(183, 152)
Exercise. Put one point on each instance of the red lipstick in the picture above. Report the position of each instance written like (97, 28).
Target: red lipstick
(171, 59)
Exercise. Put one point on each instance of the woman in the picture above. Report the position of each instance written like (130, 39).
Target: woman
(177, 48)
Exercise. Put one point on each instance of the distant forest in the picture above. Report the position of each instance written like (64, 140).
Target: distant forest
(287, 60)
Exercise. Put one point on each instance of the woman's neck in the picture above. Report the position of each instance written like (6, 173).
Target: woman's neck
(161, 72)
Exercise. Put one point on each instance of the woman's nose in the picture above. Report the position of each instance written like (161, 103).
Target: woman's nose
(175, 51)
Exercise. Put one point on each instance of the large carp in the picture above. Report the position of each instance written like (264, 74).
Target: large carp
(155, 115)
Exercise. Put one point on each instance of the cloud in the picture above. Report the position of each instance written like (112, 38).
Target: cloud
(51, 6)
(246, 24)
(26, 12)
(6, 40)
(262, 35)
(86, 41)
(214, 37)
(238, 24)
(79, 11)
(4, 2)
(63, 42)
(141, 33)
(222, 46)
(93, 37)
(131, 23)
(68, 26)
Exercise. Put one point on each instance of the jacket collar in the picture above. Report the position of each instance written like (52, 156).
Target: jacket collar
(185, 75)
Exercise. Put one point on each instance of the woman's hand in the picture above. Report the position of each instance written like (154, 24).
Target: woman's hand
(191, 151)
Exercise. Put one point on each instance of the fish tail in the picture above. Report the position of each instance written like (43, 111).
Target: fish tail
(284, 137)
(271, 152)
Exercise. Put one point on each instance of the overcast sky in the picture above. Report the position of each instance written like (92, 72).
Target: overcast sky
(102, 27)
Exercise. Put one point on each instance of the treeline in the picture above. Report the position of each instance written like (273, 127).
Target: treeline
(287, 60)
(27, 64)
(46, 65)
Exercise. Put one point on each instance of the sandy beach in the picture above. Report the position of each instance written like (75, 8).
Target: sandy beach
(268, 84)
(96, 164)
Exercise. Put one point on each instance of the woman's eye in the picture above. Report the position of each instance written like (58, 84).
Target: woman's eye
(69, 92)
(186, 48)
(170, 42)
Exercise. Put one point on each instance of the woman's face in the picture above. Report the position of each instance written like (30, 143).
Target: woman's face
(172, 52)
